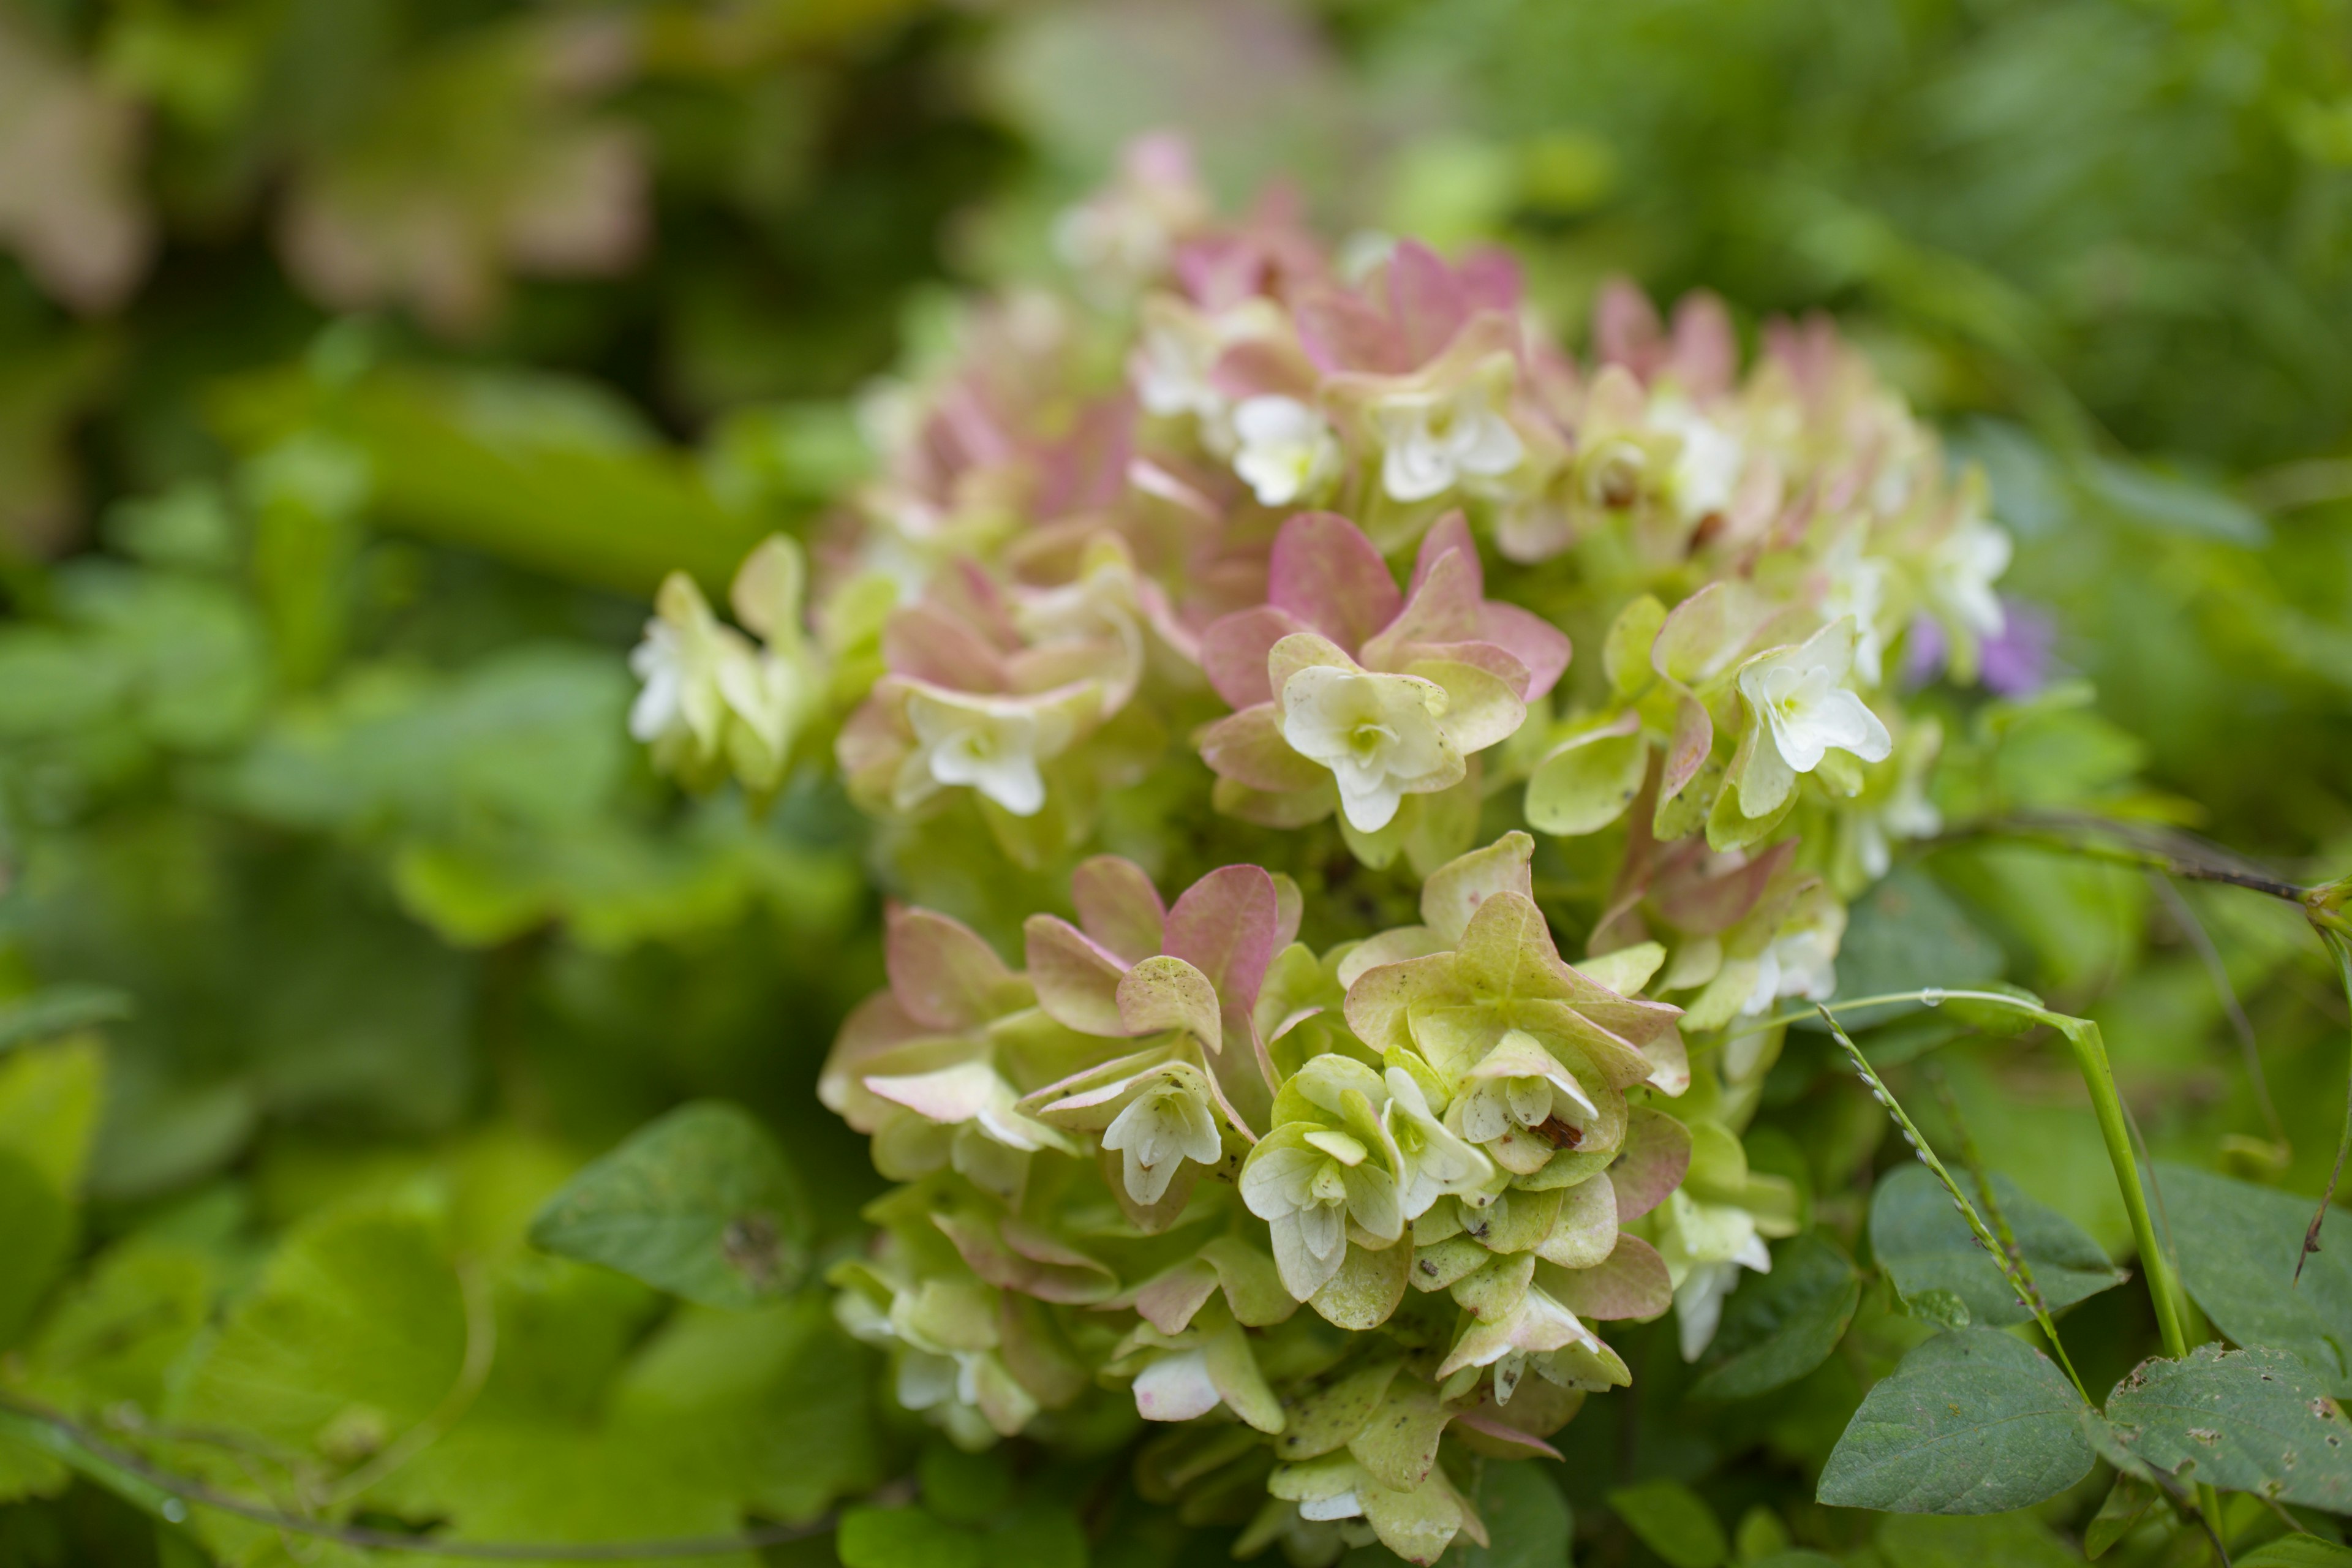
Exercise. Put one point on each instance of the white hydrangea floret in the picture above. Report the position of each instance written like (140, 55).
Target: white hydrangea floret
(1377, 734)
(990, 743)
(1436, 1161)
(1804, 710)
(1306, 1184)
(1433, 439)
(1168, 1123)
(1960, 572)
(1286, 449)
(1705, 1247)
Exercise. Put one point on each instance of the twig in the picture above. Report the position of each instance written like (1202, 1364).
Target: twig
(2340, 948)
(2185, 917)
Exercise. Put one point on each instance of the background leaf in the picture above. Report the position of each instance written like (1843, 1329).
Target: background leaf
(1674, 1522)
(1924, 1243)
(1778, 1327)
(700, 1203)
(1971, 1422)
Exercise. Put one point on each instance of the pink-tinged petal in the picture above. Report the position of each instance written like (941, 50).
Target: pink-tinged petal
(1483, 656)
(1447, 535)
(1707, 350)
(1248, 748)
(1168, 1302)
(1118, 906)
(1656, 1153)
(1233, 650)
(1284, 809)
(1703, 905)
(1455, 889)
(1381, 1000)
(1325, 572)
(967, 593)
(1487, 1424)
(1625, 327)
(943, 974)
(1706, 633)
(1302, 650)
(874, 1028)
(1086, 471)
(1164, 484)
(1688, 748)
(925, 643)
(1259, 367)
(945, 1095)
(1669, 1061)
(1342, 332)
(1166, 993)
(1077, 979)
(1526, 637)
(1289, 909)
(1491, 281)
(1076, 1284)
(1426, 301)
(1176, 1388)
(1633, 1283)
(1225, 925)
(1445, 608)
(1482, 706)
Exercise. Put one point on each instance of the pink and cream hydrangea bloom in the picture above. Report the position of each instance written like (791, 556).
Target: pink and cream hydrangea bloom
(1351, 693)
(1262, 558)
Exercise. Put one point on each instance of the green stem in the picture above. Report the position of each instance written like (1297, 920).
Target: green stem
(2107, 1104)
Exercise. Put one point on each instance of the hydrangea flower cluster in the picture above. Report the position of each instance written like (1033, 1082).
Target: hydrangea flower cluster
(1252, 558)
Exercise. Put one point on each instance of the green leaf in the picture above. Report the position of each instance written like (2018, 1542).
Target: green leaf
(546, 473)
(1925, 1244)
(60, 1009)
(358, 1320)
(2248, 1421)
(777, 1401)
(1780, 1326)
(112, 1339)
(700, 1203)
(1971, 1422)
(2127, 1501)
(2297, 1552)
(904, 1538)
(1527, 1521)
(2239, 1244)
(1907, 934)
(2007, 1540)
(37, 1237)
(48, 1108)
(1673, 1522)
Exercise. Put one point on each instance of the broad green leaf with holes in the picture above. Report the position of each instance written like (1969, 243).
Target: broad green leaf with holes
(2239, 1244)
(2247, 1421)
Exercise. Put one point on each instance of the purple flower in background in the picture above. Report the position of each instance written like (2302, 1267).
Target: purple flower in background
(2016, 663)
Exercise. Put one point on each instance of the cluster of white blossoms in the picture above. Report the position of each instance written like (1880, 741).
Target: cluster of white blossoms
(1248, 551)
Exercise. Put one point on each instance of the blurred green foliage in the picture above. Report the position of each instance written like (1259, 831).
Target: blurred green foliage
(364, 362)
